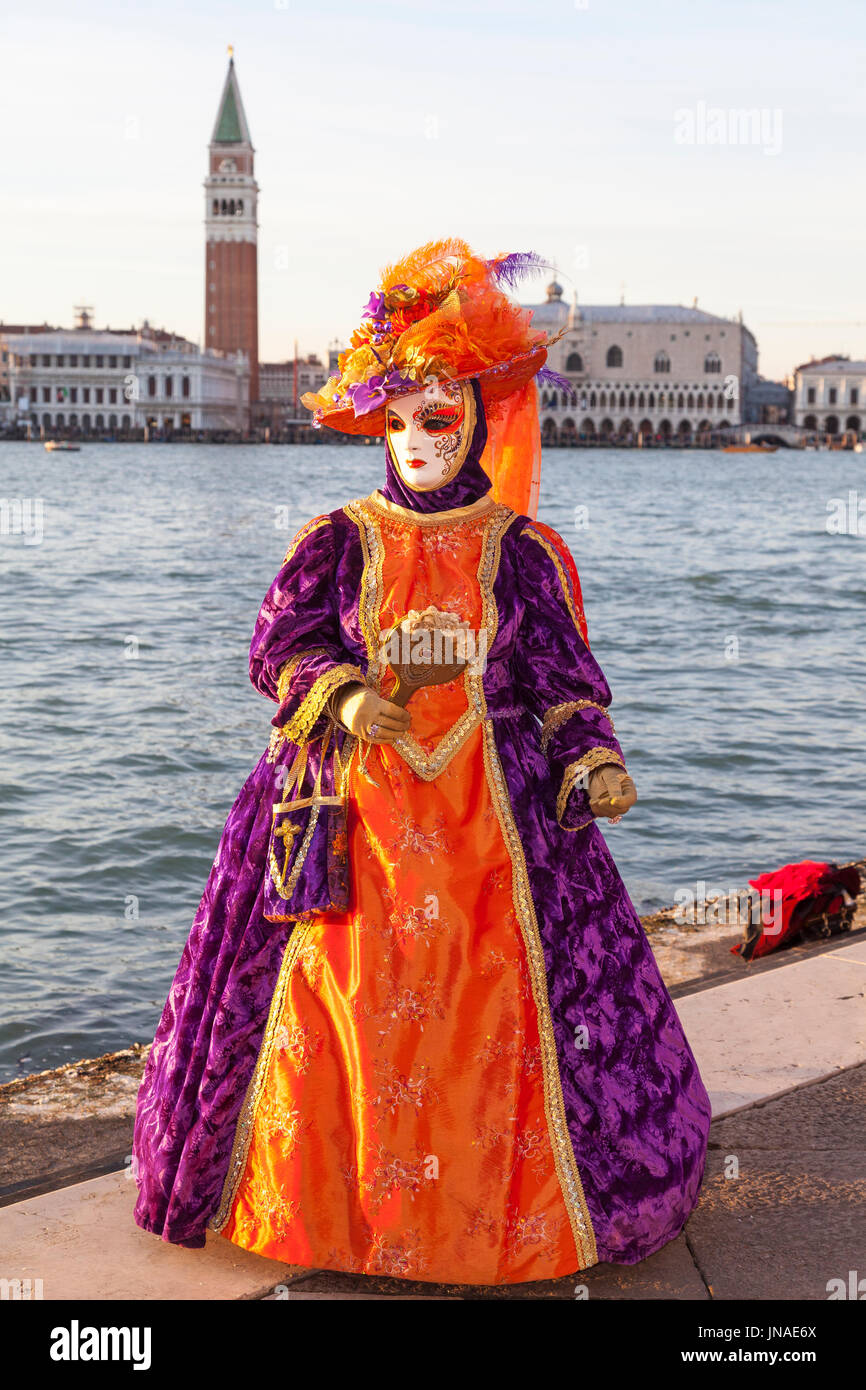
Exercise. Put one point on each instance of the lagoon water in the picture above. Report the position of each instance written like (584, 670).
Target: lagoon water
(728, 619)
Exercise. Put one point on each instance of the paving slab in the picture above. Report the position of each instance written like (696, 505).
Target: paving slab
(759, 1036)
(782, 1211)
(82, 1242)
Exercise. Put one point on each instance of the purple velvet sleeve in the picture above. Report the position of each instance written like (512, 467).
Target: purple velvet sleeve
(297, 656)
(562, 683)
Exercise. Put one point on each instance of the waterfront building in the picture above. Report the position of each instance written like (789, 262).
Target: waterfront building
(85, 380)
(830, 396)
(231, 234)
(655, 371)
(281, 385)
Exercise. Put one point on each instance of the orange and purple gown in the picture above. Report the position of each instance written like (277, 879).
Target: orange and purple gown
(475, 1074)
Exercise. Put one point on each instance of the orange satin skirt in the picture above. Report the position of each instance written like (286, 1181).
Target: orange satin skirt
(400, 1127)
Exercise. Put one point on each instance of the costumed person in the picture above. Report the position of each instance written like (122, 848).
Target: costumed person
(417, 1029)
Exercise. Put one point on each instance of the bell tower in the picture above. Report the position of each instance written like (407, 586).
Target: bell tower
(231, 233)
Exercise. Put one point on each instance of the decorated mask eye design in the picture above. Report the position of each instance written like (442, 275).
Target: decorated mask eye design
(429, 434)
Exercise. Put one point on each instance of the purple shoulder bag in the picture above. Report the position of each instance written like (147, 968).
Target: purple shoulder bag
(308, 849)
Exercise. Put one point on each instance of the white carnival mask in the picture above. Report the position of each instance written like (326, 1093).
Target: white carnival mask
(429, 433)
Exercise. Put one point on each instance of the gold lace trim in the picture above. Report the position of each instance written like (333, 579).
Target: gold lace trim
(247, 1116)
(454, 516)
(596, 757)
(560, 714)
(554, 1105)
(563, 579)
(297, 730)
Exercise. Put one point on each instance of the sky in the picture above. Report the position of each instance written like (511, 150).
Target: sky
(590, 131)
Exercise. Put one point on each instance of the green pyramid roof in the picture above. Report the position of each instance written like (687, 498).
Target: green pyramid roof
(231, 123)
(228, 130)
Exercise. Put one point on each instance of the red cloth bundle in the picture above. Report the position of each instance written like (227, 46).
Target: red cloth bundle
(806, 898)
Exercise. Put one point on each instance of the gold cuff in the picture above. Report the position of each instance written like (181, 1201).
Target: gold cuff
(596, 757)
(298, 728)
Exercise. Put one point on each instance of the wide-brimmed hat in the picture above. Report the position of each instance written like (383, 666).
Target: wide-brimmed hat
(441, 313)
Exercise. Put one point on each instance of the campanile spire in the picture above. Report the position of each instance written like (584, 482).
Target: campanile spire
(231, 232)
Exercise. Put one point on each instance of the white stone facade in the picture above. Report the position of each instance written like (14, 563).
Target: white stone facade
(101, 382)
(830, 396)
(657, 371)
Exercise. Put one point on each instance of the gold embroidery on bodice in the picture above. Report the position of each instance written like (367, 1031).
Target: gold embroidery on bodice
(397, 544)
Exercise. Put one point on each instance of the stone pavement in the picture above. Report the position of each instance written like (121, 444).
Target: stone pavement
(783, 1054)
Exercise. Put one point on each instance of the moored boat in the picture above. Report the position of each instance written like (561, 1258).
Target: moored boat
(750, 448)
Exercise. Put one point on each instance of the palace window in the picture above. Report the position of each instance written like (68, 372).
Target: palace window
(184, 386)
(574, 363)
(169, 386)
(810, 395)
(662, 362)
(831, 395)
(712, 362)
(855, 395)
(151, 385)
(614, 356)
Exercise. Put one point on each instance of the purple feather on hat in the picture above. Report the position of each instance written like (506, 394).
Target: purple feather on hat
(511, 269)
(546, 376)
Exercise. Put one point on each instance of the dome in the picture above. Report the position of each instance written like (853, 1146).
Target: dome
(554, 291)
